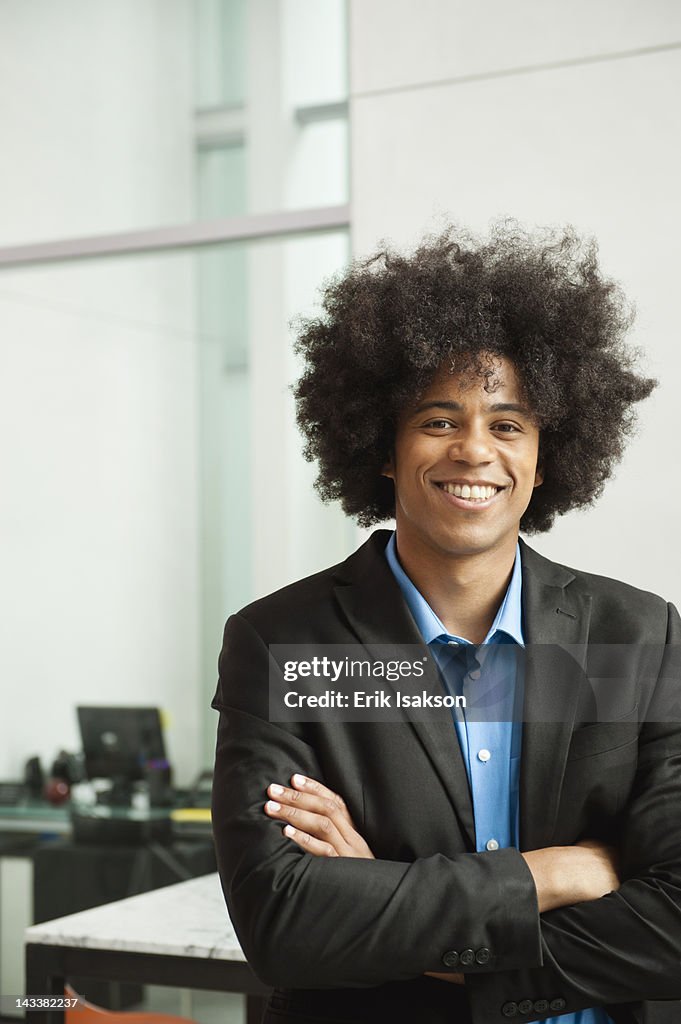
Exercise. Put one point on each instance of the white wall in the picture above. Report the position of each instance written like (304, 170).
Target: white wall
(96, 107)
(552, 114)
(151, 462)
(99, 598)
(296, 59)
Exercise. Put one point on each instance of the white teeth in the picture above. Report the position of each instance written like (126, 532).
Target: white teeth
(476, 492)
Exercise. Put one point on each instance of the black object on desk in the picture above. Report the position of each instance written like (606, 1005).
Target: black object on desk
(125, 745)
(119, 826)
(12, 793)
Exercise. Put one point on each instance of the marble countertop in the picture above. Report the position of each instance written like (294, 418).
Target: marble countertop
(185, 919)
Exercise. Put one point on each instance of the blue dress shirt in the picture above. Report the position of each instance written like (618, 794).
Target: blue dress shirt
(491, 738)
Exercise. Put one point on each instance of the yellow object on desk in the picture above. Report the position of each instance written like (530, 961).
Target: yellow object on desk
(191, 814)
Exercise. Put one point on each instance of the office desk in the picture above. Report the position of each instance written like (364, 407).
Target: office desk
(179, 936)
(43, 875)
(24, 829)
(39, 818)
(35, 817)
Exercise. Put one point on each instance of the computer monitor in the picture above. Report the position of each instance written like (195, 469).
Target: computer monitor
(124, 744)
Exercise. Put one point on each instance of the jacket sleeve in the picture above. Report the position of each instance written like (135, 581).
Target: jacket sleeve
(315, 922)
(625, 946)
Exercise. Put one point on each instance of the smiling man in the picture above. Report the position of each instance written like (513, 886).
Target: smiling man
(464, 467)
(463, 868)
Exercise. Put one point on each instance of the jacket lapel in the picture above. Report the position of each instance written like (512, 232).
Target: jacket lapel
(556, 615)
(377, 613)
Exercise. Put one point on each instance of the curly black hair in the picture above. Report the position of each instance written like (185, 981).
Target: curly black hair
(391, 321)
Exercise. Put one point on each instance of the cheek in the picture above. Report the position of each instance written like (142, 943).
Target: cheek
(527, 468)
(411, 490)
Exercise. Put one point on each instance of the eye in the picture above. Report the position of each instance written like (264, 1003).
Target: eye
(507, 428)
(438, 424)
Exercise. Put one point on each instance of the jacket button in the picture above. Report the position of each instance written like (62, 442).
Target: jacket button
(558, 1004)
(467, 957)
(482, 955)
(450, 958)
(541, 1005)
(525, 1006)
(509, 1009)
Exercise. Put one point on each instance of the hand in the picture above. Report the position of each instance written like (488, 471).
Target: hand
(317, 819)
(454, 978)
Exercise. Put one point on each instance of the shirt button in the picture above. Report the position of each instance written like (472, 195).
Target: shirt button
(492, 844)
(525, 1006)
(467, 957)
(558, 1004)
(484, 755)
(450, 958)
(510, 1009)
(541, 1005)
(482, 955)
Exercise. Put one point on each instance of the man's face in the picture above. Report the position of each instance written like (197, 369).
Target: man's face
(457, 438)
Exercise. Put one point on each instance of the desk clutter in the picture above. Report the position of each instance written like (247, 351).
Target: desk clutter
(12, 793)
(96, 826)
(118, 789)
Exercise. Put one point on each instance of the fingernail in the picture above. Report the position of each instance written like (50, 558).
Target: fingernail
(272, 805)
(276, 789)
(289, 830)
(299, 780)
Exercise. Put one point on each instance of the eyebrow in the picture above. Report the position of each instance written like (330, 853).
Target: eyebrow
(457, 407)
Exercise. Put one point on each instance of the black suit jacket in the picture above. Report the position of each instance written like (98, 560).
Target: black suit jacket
(345, 939)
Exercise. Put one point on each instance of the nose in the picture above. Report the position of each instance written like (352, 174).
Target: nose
(473, 445)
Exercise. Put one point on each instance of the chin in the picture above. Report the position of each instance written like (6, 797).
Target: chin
(473, 543)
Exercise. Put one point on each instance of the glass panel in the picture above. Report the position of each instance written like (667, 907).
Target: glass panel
(211, 118)
(153, 481)
(221, 27)
(222, 188)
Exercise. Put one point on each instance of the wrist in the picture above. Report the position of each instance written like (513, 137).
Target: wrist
(554, 877)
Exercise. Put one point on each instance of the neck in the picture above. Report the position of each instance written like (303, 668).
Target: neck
(464, 590)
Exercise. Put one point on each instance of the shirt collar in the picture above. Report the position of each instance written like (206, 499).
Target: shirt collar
(507, 622)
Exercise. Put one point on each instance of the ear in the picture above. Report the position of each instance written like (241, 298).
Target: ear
(389, 467)
(539, 471)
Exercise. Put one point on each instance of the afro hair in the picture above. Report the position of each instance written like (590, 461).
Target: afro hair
(390, 322)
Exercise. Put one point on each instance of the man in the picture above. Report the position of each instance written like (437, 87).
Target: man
(460, 868)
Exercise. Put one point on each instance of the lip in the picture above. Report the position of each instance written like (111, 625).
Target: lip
(463, 503)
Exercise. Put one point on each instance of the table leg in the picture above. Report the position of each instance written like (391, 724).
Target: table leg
(255, 1008)
(43, 978)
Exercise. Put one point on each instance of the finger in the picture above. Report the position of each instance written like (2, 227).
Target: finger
(318, 825)
(332, 806)
(342, 817)
(309, 843)
(307, 785)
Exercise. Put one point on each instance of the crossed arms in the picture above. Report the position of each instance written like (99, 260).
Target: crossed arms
(353, 920)
(318, 821)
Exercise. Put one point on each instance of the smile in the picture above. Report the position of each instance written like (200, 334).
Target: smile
(470, 496)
